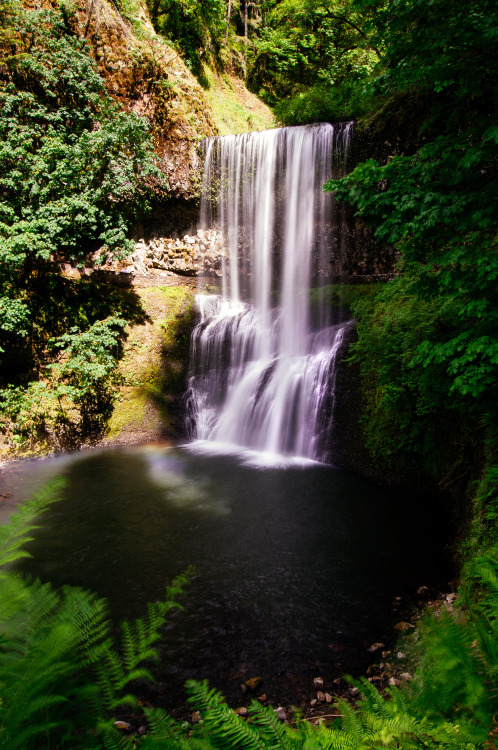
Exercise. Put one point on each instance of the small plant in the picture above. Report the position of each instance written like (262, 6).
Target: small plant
(62, 675)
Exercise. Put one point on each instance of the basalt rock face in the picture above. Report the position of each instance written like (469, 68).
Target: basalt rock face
(192, 255)
(147, 76)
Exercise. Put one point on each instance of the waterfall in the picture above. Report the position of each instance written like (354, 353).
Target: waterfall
(262, 361)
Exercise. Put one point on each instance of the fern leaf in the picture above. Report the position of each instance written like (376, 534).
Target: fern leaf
(15, 534)
(224, 728)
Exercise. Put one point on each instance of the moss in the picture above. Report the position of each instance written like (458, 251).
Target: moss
(342, 296)
(154, 365)
(235, 109)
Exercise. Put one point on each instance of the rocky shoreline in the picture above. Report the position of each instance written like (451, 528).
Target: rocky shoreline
(315, 700)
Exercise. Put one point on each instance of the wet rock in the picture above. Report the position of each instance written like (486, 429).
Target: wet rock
(262, 698)
(337, 681)
(328, 698)
(313, 702)
(280, 713)
(318, 683)
(422, 591)
(122, 725)
(375, 647)
(403, 626)
(401, 655)
(242, 711)
(406, 676)
(393, 681)
(253, 683)
(195, 718)
(142, 730)
(320, 697)
(243, 689)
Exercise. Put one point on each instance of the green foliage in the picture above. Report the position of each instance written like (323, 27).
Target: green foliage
(322, 103)
(196, 26)
(305, 50)
(408, 409)
(459, 662)
(378, 721)
(75, 399)
(74, 172)
(431, 339)
(441, 47)
(61, 674)
(73, 168)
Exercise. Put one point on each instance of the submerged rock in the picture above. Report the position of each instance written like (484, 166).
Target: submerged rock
(403, 626)
(253, 683)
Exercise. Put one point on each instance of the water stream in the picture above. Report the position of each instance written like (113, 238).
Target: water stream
(264, 352)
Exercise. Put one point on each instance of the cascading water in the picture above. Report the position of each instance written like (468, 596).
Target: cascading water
(264, 351)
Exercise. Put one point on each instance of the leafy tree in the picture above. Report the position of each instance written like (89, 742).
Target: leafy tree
(74, 172)
(438, 206)
(311, 46)
(73, 169)
(197, 28)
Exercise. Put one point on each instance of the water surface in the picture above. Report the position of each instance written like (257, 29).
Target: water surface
(297, 564)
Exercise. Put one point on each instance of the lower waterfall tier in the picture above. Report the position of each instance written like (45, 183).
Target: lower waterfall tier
(251, 388)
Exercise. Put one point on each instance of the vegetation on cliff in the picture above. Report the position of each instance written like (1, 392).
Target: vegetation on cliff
(428, 346)
(74, 172)
(427, 343)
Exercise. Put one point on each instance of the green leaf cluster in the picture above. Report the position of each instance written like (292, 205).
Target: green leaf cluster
(428, 348)
(74, 173)
(62, 675)
(196, 26)
(311, 60)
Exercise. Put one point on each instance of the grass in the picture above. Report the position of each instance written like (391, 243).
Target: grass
(235, 109)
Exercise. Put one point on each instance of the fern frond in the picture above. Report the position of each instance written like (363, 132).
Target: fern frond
(222, 725)
(114, 739)
(325, 738)
(166, 733)
(276, 735)
(15, 534)
(351, 721)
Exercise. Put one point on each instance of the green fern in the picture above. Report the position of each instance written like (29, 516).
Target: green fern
(167, 734)
(15, 534)
(61, 675)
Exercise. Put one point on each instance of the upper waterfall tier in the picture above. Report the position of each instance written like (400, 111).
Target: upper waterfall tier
(263, 354)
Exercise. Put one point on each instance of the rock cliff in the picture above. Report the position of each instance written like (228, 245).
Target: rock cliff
(144, 74)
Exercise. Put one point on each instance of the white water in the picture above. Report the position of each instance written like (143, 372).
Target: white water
(262, 357)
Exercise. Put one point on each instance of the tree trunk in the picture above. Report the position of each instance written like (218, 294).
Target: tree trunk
(246, 8)
(229, 13)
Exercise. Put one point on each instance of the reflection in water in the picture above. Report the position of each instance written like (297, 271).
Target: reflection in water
(297, 566)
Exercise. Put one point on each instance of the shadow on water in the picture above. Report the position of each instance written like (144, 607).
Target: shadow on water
(297, 566)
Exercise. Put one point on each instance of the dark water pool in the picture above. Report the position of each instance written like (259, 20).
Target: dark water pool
(297, 566)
